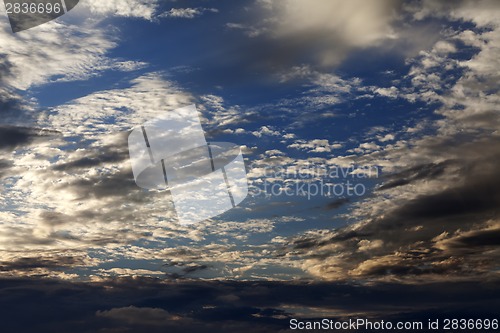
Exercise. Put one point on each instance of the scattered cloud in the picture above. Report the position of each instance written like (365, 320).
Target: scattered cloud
(187, 13)
(144, 9)
(266, 130)
(315, 146)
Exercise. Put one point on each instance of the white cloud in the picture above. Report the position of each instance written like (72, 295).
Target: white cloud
(315, 146)
(148, 96)
(444, 47)
(366, 146)
(188, 13)
(367, 245)
(325, 89)
(266, 130)
(144, 9)
(391, 92)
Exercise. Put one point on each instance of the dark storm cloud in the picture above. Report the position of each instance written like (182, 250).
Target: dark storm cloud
(12, 137)
(153, 305)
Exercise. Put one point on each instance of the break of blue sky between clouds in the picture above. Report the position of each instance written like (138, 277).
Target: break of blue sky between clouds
(350, 86)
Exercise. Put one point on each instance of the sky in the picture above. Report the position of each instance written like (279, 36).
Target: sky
(370, 132)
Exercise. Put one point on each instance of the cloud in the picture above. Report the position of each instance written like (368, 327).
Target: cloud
(330, 28)
(155, 305)
(49, 265)
(391, 92)
(187, 13)
(69, 52)
(385, 138)
(266, 130)
(75, 189)
(59, 198)
(419, 172)
(435, 215)
(337, 203)
(57, 52)
(139, 316)
(12, 137)
(145, 97)
(315, 146)
(431, 221)
(144, 9)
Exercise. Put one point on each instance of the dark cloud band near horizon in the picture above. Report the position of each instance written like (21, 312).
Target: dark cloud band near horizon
(407, 88)
(138, 304)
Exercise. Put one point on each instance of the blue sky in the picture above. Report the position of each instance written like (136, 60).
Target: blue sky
(406, 90)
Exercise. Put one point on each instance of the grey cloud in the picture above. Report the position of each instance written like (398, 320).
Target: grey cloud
(13, 108)
(481, 238)
(118, 184)
(5, 165)
(425, 171)
(12, 136)
(8, 101)
(51, 263)
(471, 241)
(54, 218)
(186, 267)
(337, 203)
(295, 32)
(97, 152)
